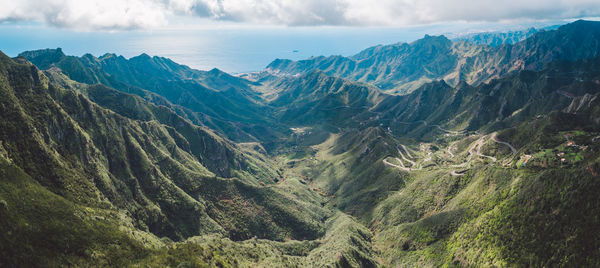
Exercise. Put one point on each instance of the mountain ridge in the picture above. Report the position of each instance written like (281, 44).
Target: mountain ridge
(397, 68)
(198, 95)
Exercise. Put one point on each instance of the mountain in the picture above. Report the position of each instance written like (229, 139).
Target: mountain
(117, 179)
(496, 39)
(499, 104)
(401, 68)
(214, 98)
(439, 197)
(436, 107)
(492, 158)
(383, 66)
(470, 200)
(321, 98)
(91, 154)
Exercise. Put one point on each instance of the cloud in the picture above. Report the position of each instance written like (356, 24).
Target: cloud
(86, 14)
(128, 14)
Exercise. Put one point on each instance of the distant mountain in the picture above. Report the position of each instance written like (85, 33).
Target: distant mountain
(213, 98)
(437, 106)
(387, 67)
(499, 104)
(496, 39)
(401, 68)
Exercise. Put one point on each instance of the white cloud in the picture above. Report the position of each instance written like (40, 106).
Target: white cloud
(86, 14)
(125, 14)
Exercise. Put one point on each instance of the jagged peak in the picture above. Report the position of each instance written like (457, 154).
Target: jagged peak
(108, 56)
(215, 71)
(429, 39)
(43, 58)
(143, 56)
(440, 82)
(223, 75)
(462, 84)
(39, 52)
(89, 57)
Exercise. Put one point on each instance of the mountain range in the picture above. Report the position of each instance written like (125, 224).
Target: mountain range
(495, 39)
(401, 68)
(212, 98)
(427, 154)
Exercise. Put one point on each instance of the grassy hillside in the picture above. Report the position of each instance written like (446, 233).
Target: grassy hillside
(137, 175)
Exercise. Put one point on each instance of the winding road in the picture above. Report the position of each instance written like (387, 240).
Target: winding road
(494, 138)
(474, 149)
(406, 159)
(406, 150)
(401, 166)
(476, 145)
(456, 174)
(479, 145)
(450, 148)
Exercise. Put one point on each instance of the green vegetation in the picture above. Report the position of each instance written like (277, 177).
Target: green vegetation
(402, 68)
(132, 162)
(40, 228)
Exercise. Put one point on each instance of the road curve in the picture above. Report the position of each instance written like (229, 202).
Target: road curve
(494, 138)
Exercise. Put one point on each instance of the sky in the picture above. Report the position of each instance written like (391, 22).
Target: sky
(110, 15)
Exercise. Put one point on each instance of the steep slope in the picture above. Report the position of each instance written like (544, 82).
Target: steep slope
(216, 153)
(436, 108)
(316, 97)
(511, 209)
(214, 98)
(401, 68)
(115, 182)
(93, 156)
(438, 186)
(499, 104)
(41, 228)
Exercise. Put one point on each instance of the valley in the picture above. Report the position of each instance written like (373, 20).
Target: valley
(436, 153)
